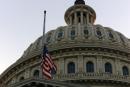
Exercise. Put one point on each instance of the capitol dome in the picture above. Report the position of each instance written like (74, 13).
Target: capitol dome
(86, 55)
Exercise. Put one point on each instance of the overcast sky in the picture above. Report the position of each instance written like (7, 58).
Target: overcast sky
(21, 22)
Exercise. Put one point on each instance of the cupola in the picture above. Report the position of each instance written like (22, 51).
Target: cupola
(80, 13)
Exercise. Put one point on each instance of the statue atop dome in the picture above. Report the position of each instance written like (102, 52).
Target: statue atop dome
(79, 2)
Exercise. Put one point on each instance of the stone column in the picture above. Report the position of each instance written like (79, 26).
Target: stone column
(70, 18)
(87, 15)
(75, 18)
(61, 66)
(80, 63)
(91, 19)
(118, 69)
(81, 17)
(99, 65)
(65, 38)
(79, 28)
(27, 73)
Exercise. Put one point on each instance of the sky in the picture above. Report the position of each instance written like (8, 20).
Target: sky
(21, 22)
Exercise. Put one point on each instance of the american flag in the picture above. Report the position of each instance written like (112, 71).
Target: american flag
(47, 65)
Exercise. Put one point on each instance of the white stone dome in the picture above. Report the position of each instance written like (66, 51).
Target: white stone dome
(84, 53)
(81, 32)
(82, 36)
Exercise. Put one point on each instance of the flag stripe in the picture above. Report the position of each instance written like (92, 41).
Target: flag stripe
(50, 59)
(46, 67)
(47, 64)
(47, 75)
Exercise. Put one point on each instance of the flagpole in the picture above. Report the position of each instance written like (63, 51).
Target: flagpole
(46, 58)
(44, 26)
(43, 39)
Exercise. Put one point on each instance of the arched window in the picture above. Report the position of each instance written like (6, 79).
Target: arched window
(125, 71)
(89, 67)
(72, 34)
(108, 68)
(60, 34)
(36, 73)
(99, 33)
(71, 67)
(86, 32)
(21, 78)
(111, 35)
(53, 71)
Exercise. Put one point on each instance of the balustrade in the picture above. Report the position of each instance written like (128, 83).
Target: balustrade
(92, 76)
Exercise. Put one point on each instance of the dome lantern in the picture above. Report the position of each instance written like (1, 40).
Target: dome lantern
(80, 13)
(79, 2)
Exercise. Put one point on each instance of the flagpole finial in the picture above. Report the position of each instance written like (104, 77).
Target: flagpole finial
(44, 11)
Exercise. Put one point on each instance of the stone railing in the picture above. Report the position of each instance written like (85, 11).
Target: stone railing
(60, 80)
(29, 83)
(93, 76)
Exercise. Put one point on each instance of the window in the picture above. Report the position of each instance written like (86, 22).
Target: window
(108, 68)
(36, 73)
(86, 32)
(21, 78)
(99, 33)
(53, 72)
(111, 35)
(71, 67)
(72, 34)
(125, 71)
(60, 34)
(89, 67)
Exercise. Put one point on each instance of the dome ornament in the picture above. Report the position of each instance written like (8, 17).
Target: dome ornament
(79, 2)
